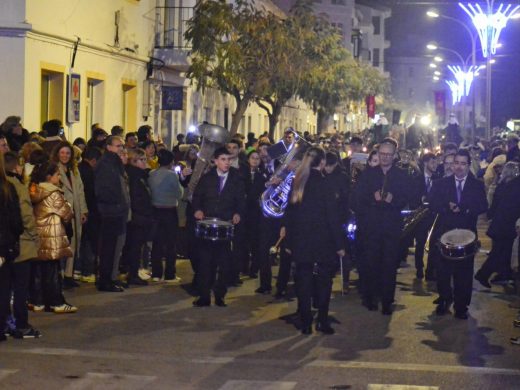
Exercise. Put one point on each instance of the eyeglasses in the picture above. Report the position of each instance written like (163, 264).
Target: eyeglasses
(386, 154)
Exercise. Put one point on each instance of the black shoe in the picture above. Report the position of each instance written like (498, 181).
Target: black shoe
(253, 275)
(482, 280)
(220, 302)
(430, 278)
(110, 288)
(501, 280)
(307, 330)
(442, 308)
(201, 303)
(69, 283)
(27, 333)
(262, 290)
(387, 310)
(236, 283)
(369, 304)
(324, 328)
(137, 281)
(437, 301)
(461, 315)
(419, 274)
(280, 294)
(3, 337)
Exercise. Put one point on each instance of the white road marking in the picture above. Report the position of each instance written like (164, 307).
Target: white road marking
(227, 360)
(415, 367)
(258, 385)
(93, 381)
(400, 387)
(4, 373)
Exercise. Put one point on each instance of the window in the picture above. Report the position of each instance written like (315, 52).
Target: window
(243, 124)
(249, 123)
(376, 22)
(375, 58)
(226, 118)
(217, 118)
(207, 115)
(52, 99)
(95, 103)
(195, 115)
(129, 106)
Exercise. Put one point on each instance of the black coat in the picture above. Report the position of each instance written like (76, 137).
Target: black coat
(254, 187)
(419, 189)
(340, 183)
(140, 196)
(314, 225)
(505, 210)
(110, 186)
(87, 177)
(472, 204)
(382, 214)
(11, 226)
(223, 205)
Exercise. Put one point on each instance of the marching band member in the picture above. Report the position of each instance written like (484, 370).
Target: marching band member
(459, 200)
(380, 195)
(219, 194)
(315, 238)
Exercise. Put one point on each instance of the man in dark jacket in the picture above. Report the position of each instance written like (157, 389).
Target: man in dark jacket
(219, 194)
(504, 212)
(90, 232)
(381, 193)
(459, 200)
(113, 202)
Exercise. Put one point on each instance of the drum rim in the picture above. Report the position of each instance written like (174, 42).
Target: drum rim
(451, 245)
(211, 222)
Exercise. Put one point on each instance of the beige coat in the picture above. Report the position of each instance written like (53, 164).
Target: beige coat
(29, 240)
(74, 194)
(51, 211)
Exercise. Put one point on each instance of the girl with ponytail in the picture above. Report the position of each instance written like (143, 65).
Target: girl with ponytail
(51, 212)
(315, 238)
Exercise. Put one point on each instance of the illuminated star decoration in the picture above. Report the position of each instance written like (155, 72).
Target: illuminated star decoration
(461, 86)
(489, 25)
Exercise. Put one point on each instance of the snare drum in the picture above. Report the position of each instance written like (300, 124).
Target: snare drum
(214, 229)
(458, 244)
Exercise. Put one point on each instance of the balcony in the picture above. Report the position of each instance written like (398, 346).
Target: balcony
(170, 45)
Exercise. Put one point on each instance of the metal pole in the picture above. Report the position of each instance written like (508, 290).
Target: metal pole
(488, 76)
(473, 94)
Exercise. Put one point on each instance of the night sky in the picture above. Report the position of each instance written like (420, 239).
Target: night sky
(409, 30)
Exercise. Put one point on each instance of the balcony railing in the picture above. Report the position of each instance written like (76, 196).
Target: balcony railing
(170, 26)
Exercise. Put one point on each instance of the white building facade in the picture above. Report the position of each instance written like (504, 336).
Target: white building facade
(127, 52)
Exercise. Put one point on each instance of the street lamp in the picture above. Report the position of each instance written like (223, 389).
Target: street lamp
(438, 59)
(489, 25)
(435, 14)
(431, 46)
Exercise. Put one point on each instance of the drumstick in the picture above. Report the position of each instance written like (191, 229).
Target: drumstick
(278, 242)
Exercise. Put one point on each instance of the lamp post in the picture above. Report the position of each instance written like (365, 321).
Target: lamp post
(434, 14)
(464, 76)
(489, 25)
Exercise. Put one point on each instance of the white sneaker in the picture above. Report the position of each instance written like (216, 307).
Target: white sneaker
(156, 279)
(89, 279)
(77, 275)
(144, 274)
(35, 308)
(64, 309)
(174, 280)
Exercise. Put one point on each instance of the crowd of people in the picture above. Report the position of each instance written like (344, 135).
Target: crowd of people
(118, 210)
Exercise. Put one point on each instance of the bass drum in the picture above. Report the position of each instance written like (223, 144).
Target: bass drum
(214, 229)
(458, 244)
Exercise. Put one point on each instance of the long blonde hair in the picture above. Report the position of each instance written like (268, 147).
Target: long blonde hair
(312, 159)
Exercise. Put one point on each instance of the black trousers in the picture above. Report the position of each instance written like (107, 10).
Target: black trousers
(164, 243)
(136, 237)
(213, 268)
(252, 224)
(269, 235)
(239, 257)
(88, 251)
(14, 277)
(434, 256)
(314, 281)
(461, 273)
(421, 235)
(111, 229)
(46, 283)
(284, 270)
(382, 250)
(499, 259)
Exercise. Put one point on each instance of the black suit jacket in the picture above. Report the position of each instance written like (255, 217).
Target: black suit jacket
(313, 226)
(473, 203)
(419, 189)
(223, 205)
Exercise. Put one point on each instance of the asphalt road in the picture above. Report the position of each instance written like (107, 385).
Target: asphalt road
(152, 338)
